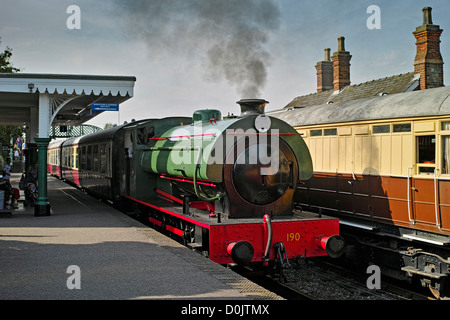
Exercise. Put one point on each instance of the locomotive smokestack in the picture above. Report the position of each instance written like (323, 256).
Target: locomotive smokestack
(251, 107)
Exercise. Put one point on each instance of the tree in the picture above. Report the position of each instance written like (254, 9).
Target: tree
(7, 132)
(6, 65)
(108, 125)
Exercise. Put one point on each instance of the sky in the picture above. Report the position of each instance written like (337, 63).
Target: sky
(197, 54)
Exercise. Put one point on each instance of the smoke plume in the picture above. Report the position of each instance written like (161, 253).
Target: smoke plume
(229, 34)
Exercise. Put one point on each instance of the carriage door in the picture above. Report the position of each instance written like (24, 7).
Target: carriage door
(424, 184)
(444, 183)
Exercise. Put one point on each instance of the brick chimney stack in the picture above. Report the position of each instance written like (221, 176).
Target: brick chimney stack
(325, 73)
(341, 66)
(428, 62)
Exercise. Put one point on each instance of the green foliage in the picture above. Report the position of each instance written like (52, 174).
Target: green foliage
(108, 125)
(6, 133)
(5, 65)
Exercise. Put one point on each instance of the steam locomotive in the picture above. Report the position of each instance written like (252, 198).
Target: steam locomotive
(224, 186)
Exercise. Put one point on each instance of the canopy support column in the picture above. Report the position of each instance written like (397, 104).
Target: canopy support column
(42, 206)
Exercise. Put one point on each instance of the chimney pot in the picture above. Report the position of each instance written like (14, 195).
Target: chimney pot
(341, 45)
(427, 15)
(327, 54)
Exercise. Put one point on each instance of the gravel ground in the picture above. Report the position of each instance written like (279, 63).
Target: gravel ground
(321, 283)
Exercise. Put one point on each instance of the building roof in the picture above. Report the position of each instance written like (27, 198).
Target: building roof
(389, 85)
(420, 103)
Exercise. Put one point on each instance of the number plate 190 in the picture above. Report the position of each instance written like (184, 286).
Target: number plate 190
(293, 236)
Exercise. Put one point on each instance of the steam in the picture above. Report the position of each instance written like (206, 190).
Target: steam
(229, 34)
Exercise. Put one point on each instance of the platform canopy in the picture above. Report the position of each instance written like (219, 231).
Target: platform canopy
(42, 100)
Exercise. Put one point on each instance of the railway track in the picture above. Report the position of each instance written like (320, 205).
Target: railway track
(319, 280)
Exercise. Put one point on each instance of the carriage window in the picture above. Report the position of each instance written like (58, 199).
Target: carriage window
(446, 155)
(445, 125)
(330, 132)
(316, 133)
(382, 129)
(426, 154)
(71, 158)
(96, 159)
(403, 127)
(103, 158)
(141, 136)
(89, 158)
(83, 158)
(76, 158)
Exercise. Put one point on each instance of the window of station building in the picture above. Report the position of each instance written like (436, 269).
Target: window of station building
(330, 132)
(402, 127)
(316, 133)
(385, 128)
(426, 154)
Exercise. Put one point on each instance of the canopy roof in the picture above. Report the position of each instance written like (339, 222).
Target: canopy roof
(70, 96)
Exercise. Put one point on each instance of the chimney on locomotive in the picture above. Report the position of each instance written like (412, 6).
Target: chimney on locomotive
(250, 107)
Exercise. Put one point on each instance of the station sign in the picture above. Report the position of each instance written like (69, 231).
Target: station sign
(105, 106)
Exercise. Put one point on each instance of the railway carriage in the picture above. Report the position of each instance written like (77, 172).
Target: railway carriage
(203, 181)
(54, 159)
(382, 165)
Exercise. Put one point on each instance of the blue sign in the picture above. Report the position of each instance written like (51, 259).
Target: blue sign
(105, 106)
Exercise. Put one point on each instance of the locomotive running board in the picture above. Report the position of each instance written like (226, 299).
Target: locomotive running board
(358, 225)
(427, 240)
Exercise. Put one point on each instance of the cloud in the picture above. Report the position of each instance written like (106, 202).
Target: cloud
(227, 37)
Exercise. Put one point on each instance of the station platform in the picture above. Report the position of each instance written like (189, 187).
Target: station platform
(108, 255)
